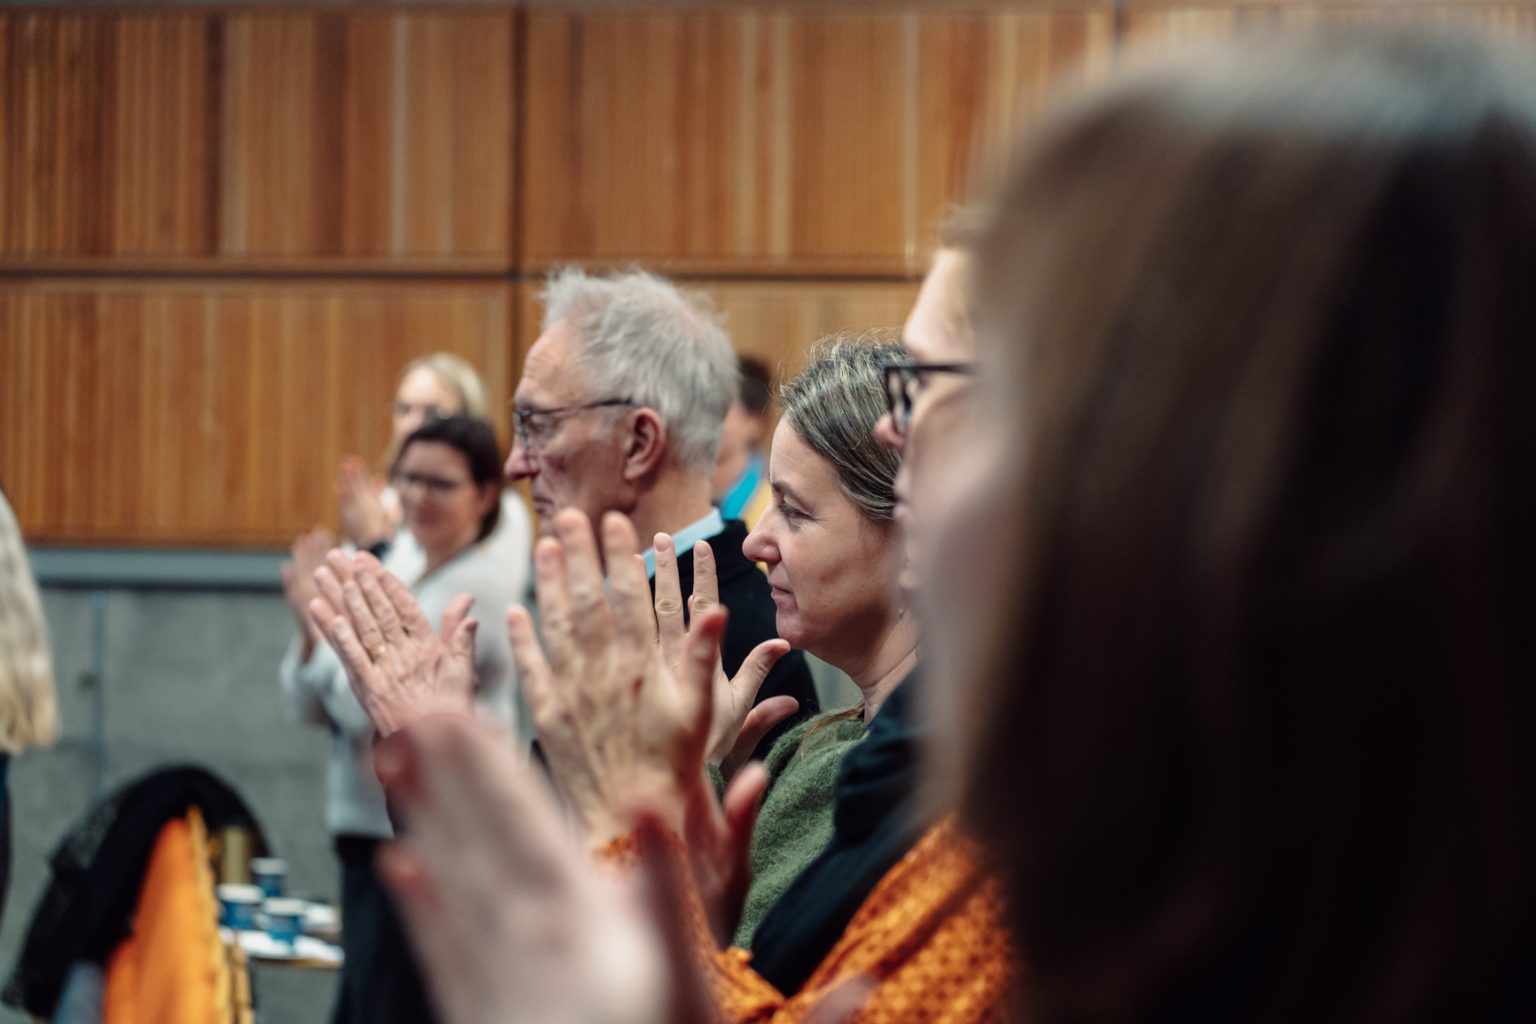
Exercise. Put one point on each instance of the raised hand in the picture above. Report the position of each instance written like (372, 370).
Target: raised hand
(736, 726)
(308, 552)
(623, 726)
(613, 718)
(364, 519)
(399, 667)
(513, 922)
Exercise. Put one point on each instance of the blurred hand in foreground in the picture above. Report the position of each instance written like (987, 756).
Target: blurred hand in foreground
(513, 922)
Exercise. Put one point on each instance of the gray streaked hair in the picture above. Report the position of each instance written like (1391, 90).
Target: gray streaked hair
(27, 715)
(643, 339)
(834, 404)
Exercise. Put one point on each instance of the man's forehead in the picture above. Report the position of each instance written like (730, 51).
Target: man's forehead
(551, 369)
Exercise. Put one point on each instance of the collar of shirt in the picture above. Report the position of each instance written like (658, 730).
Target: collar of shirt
(687, 537)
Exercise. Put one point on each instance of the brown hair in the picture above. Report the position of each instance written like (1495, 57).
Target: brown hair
(833, 406)
(1252, 732)
(475, 439)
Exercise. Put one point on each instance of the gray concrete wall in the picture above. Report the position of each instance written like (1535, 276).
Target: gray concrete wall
(191, 677)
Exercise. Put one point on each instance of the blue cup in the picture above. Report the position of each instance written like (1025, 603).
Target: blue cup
(270, 873)
(284, 919)
(238, 905)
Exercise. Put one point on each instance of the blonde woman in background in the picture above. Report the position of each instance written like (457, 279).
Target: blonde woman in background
(27, 716)
(431, 387)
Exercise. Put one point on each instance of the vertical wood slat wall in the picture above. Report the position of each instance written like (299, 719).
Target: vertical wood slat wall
(223, 230)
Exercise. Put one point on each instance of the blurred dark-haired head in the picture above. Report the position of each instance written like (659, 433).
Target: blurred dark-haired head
(475, 439)
(756, 390)
(1252, 731)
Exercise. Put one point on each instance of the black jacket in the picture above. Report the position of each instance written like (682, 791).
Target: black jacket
(97, 868)
(744, 593)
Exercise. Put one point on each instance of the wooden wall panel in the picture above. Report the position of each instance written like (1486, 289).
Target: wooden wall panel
(282, 138)
(793, 163)
(777, 321)
(642, 135)
(384, 136)
(214, 413)
(104, 145)
(770, 143)
(983, 80)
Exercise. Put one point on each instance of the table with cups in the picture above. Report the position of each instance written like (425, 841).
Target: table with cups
(270, 925)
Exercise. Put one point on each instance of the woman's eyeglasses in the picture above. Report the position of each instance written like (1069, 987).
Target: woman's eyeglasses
(435, 488)
(905, 381)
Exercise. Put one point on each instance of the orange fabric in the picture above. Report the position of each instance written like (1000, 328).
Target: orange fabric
(172, 969)
(622, 851)
(929, 944)
(929, 940)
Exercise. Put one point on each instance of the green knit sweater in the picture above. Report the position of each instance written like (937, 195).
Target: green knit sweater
(795, 822)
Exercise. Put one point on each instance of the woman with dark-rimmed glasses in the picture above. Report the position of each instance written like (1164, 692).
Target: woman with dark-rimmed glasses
(447, 474)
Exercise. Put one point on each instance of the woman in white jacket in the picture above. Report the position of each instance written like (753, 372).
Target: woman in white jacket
(448, 475)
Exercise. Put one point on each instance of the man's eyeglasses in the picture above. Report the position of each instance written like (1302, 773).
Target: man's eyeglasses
(905, 381)
(533, 425)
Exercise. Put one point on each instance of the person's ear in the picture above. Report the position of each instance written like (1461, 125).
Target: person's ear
(645, 443)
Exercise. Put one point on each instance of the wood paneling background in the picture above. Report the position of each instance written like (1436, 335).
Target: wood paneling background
(230, 140)
(773, 143)
(208, 412)
(223, 229)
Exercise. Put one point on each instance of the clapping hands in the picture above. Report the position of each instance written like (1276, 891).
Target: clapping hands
(399, 667)
(360, 506)
(628, 700)
(512, 921)
(299, 588)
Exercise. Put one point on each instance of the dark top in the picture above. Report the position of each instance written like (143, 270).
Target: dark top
(875, 821)
(745, 594)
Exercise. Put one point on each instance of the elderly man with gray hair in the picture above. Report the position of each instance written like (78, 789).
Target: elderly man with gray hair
(619, 409)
